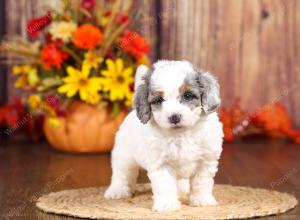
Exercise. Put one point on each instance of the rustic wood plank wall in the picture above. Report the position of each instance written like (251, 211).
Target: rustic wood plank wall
(253, 46)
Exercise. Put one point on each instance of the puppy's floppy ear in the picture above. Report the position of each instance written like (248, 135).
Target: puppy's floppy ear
(210, 92)
(140, 74)
(141, 103)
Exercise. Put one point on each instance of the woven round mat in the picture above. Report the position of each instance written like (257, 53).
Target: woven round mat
(234, 202)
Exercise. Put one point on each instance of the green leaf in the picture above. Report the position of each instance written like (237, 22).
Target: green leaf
(115, 110)
(65, 103)
(105, 95)
(33, 77)
(49, 82)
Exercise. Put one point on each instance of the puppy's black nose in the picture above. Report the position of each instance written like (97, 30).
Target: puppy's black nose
(175, 119)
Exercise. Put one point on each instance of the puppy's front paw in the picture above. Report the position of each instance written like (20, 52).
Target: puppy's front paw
(117, 192)
(166, 204)
(203, 200)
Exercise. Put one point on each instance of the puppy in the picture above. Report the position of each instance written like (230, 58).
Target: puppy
(173, 132)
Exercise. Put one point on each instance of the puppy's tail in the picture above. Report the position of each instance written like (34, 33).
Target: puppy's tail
(141, 72)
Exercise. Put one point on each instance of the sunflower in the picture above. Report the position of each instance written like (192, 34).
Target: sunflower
(78, 81)
(91, 59)
(117, 80)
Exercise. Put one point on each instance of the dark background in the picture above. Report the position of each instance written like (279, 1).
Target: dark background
(3, 78)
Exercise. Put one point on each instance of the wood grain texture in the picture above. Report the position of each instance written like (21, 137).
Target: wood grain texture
(145, 23)
(251, 45)
(29, 170)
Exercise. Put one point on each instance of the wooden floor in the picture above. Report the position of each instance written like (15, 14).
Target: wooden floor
(28, 170)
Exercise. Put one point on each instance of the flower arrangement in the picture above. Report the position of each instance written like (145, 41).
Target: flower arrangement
(271, 120)
(85, 51)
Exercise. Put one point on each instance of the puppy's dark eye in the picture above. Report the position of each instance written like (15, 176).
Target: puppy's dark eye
(157, 101)
(188, 96)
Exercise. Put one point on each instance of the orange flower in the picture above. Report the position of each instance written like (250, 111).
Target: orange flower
(87, 37)
(273, 119)
(231, 118)
(226, 119)
(52, 56)
(134, 44)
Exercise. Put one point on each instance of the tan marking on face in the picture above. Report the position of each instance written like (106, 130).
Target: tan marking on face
(183, 88)
(158, 94)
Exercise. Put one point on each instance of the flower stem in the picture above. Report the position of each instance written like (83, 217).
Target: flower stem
(72, 54)
(113, 36)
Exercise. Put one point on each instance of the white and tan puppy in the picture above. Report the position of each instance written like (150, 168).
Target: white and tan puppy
(173, 132)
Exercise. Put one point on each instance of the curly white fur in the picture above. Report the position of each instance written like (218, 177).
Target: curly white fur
(178, 161)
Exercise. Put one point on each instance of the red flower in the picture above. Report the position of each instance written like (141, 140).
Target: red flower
(37, 24)
(48, 38)
(134, 44)
(12, 113)
(87, 4)
(8, 116)
(16, 118)
(131, 87)
(54, 102)
(119, 18)
(52, 56)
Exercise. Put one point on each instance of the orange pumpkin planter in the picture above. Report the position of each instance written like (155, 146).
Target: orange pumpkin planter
(84, 129)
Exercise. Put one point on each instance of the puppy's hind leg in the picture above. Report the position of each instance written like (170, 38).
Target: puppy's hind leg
(124, 177)
(183, 187)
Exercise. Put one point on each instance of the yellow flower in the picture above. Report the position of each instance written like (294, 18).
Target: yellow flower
(91, 59)
(62, 30)
(79, 81)
(48, 110)
(33, 77)
(24, 69)
(117, 80)
(28, 76)
(129, 99)
(93, 99)
(54, 122)
(104, 20)
(34, 102)
(143, 60)
(21, 82)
